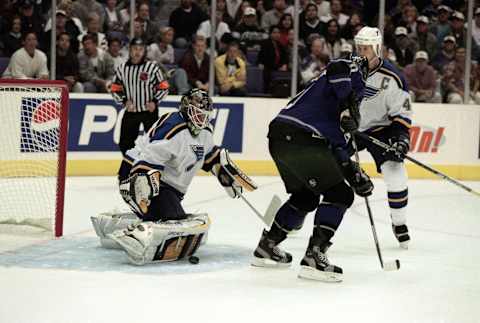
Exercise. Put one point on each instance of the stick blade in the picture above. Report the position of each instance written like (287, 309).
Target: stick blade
(392, 265)
(272, 210)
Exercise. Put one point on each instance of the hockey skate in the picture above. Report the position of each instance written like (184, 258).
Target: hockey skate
(401, 233)
(268, 254)
(316, 266)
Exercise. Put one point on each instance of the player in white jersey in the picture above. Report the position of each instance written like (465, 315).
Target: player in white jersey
(155, 175)
(386, 115)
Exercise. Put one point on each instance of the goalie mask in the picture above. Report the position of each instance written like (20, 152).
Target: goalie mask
(197, 107)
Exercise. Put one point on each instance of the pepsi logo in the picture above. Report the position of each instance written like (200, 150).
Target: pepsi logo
(46, 116)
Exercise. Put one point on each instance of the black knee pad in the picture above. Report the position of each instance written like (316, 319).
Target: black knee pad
(340, 194)
(305, 201)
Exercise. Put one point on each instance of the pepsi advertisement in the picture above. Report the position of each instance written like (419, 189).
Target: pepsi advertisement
(94, 124)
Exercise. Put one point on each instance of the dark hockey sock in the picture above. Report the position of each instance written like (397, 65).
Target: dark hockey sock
(329, 216)
(398, 200)
(289, 217)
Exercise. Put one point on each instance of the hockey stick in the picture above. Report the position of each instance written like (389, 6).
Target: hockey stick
(388, 266)
(413, 160)
(271, 211)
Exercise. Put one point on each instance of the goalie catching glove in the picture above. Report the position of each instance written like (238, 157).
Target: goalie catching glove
(139, 189)
(231, 177)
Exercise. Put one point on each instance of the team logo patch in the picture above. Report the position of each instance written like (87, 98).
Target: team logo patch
(371, 92)
(40, 121)
(199, 151)
(144, 76)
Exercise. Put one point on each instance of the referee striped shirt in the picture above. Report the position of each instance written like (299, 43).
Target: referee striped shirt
(139, 83)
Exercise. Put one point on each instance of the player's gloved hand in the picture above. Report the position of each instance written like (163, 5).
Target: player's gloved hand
(399, 148)
(347, 122)
(358, 180)
(232, 188)
(349, 113)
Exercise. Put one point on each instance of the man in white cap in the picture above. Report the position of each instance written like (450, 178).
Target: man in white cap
(248, 31)
(424, 39)
(403, 48)
(460, 33)
(446, 55)
(442, 27)
(421, 79)
(386, 114)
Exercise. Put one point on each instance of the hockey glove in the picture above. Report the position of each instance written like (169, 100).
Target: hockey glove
(232, 188)
(349, 115)
(399, 147)
(358, 180)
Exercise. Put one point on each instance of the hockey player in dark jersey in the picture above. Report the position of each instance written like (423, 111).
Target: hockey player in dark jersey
(307, 143)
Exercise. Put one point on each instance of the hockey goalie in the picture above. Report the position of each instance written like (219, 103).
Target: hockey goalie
(155, 175)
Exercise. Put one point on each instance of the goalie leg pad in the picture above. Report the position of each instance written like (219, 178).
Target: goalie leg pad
(150, 242)
(107, 223)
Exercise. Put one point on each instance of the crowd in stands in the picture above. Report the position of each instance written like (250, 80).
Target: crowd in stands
(424, 39)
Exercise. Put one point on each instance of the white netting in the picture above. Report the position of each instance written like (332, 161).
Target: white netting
(29, 154)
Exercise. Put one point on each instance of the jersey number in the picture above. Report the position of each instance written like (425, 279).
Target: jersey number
(406, 105)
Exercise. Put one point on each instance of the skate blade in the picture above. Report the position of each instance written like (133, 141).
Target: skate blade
(268, 263)
(307, 272)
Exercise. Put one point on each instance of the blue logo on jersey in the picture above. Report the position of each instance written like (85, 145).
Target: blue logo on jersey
(40, 121)
(370, 92)
(199, 151)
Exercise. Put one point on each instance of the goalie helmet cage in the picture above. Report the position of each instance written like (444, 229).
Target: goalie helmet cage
(34, 116)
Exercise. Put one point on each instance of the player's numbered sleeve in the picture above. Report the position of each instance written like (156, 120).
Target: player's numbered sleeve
(338, 75)
(399, 108)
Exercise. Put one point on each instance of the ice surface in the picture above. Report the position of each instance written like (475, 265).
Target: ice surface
(74, 280)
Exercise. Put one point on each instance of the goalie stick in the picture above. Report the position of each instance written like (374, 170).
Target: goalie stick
(390, 265)
(413, 160)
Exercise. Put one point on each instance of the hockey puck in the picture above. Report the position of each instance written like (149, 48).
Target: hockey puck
(193, 260)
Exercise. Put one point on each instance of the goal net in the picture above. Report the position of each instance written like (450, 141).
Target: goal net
(33, 132)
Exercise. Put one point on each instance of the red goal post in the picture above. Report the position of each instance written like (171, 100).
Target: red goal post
(34, 121)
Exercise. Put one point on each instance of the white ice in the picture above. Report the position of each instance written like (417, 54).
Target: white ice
(74, 280)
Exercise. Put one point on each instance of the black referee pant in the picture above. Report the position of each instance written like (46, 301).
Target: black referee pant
(130, 124)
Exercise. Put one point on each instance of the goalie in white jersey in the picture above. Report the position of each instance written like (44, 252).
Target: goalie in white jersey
(386, 115)
(155, 175)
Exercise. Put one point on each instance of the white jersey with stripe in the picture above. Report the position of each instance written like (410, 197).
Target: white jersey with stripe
(386, 99)
(173, 150)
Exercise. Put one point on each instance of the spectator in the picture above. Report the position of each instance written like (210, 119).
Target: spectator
(61, 27)
(403, 47)
(336, 13)
(150, 28)
(301, 50)
(446, 55)
(442, 27)
(476, 27)
(431, 10)
(348, 31)
(323, 8)
(424, 39)
(12, 40)
(240, 12)
(185, 21)
(93, 28)
(451, 86)
(248, 31)
(162, 51)
(83, 9)
(96, 66)
(204, 30)
(475, 84)
(422, 80)
(459, 32)
(310, 23)
(397, 12)
(346, 50)
(272, 17)
(315, 63)
(272, 56)
(409, 18)
(333, 43)
(73, 25)
(66, 65)
(232, 7)
(31, 19)
(118, 53)
(113, 20)
(196, 63)
(285, 24)
(28, 61)
(222, 7)
(231, 72)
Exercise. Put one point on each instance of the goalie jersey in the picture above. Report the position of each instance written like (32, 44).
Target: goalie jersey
(170, 148)
(386, 101)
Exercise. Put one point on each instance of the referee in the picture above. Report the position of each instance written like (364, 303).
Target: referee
(139, 86)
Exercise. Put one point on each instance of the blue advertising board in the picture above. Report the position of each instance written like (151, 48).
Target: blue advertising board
(94, 124)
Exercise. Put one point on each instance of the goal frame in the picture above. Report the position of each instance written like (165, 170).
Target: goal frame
(63, 140)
